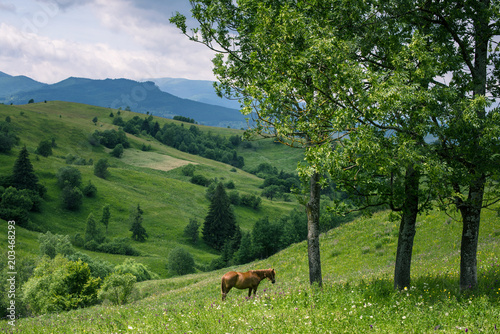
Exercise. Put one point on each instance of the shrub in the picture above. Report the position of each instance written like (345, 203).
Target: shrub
(44, 148)
(191, 230)
(188, 170)
(89, 190)
(118, 246)
(140, 271)
(68, 176)
(53, 244)
(180, 262)
(200, 180)
(72, 198)
(117, 288)
(60, 285)
(101, 168)
(98, 268)
(15, 205)
(117, 151)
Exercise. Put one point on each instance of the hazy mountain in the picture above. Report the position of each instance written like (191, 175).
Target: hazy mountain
(13, 84)
(122, 93)
(196, 90)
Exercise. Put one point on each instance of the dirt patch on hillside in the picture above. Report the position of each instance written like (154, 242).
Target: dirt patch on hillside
(152, 160)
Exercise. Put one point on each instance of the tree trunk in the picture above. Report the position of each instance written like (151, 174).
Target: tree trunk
(407, 230)
(312, 209)
(471, 217)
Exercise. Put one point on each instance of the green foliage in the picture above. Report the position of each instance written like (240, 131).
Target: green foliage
(180, 262)
(120, 246)
(54, 244)
(200, 180)
(60, 285)
(184, 119)
(220, 223)
(72, 198)
(111, 138)
(92, 231)
(8, 137)
(106, 215)
(271, 192)
(188, 170)
(101, 168)
(23, 176)
(98, 268)
(250, 201)
(138, 231)
(140, 271)
(191, 230)
(117, 152)
(16, 204)
(117, 288)
(90, 190)
(68, 176)
(44, 148)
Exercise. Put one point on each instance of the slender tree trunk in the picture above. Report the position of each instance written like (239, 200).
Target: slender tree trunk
(312, 209)
(471, 217)
(407, 230)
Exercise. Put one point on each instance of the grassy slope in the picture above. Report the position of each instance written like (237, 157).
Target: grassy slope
(357, 296)
(150, 179)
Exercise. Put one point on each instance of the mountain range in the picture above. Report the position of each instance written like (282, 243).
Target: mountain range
(197, 99)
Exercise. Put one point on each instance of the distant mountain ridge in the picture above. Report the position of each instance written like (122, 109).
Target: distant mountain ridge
(141, 97)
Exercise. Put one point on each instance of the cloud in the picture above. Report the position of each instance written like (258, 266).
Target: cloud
(66, 4)
(51, 60)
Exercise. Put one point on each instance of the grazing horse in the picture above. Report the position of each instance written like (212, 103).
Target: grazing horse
(249, 280)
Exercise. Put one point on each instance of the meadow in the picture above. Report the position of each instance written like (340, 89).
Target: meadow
(152, 179)
(357, 295)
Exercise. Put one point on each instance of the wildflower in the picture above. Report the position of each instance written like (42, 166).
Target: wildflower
(404, 317)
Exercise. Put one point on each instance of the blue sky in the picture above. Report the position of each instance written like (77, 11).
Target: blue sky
(50, 40)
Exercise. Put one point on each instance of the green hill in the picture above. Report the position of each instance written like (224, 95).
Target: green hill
(152, 179)
(356, 297)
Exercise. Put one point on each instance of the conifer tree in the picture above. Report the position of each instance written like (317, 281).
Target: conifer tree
(220, 223)
(138, 231)
(106, 214)
(23, 173)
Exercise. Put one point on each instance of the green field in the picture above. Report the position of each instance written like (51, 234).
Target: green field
(356, 297)
(152, 179)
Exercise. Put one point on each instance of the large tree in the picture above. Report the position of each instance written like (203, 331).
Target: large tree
(23, 176)
(219, 226)
(378, 77)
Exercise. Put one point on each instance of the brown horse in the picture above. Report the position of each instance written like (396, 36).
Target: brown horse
(249, 280)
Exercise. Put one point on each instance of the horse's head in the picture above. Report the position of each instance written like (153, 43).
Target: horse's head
(271, 275)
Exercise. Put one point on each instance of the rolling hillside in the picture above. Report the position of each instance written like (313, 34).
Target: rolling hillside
(140, 97)
(152, 179)
(356, 297)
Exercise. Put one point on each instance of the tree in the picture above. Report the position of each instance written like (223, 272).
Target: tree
(72, 198)
(191, 230)
(117, 152)
(374, 70)
(180, 262)
(106, 215)
(92, 231)
(69, 176)
(23, 176)
(8, 137)
(117, 288)
(138, 231)
(101, 168)
(15, 205)
(44, 148)
(220, 223)
(94, 120)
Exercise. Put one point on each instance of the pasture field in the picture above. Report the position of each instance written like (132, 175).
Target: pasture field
(152, 179)
(356, 296)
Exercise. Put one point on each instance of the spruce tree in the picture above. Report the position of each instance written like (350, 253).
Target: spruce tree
(220, 223)
(106, 214)
(138, 231)
(23, 173)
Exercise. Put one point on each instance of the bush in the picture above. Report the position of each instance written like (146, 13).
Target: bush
(117, 288)
(60, 285)
(188, 170)
(72, 198)
(200, 180)
(98, 268)
(15, 205)
(118, 246)
(44, 148)
(180, 262)
(68, 176)
(117, 151)
(140, 271)
(191, 230)
(53, 244)
(89, 190)
(101, 168)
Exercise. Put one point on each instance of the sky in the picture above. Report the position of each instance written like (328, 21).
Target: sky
(51, 40)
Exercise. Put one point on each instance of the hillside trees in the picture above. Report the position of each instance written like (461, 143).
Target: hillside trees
(376, 77)
(220, 224)
(8, 137)
(138, 231)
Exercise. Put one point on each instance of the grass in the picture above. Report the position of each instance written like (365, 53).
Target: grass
(356, 297)
(152, 179)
